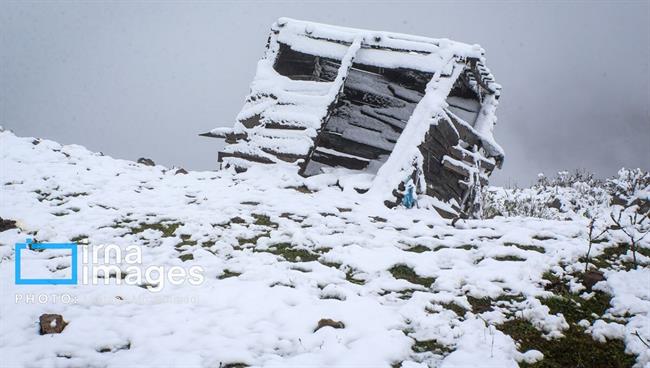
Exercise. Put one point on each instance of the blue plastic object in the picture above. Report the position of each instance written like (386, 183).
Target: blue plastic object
(409, 196)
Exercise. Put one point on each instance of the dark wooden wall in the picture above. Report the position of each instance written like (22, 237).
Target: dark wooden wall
(370, 114)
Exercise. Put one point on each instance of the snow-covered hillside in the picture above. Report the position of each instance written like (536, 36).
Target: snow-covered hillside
(282, 254)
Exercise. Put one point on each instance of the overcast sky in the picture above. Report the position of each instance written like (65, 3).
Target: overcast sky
(143, 79)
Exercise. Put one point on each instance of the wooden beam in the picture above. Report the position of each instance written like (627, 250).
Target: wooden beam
(228, 136)
(477, 75)
(333, 160)
(337, 142)
(455, 168)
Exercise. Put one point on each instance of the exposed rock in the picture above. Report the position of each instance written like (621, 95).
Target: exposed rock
(643, 204)
(180, 171)
(114, 348)
(327, 322)
(591, 278)
(7, 224)
(617, 200)
(146, 161)
(556, 203)
(51, 323)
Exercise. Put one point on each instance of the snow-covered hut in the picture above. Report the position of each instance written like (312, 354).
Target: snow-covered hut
(415, 112)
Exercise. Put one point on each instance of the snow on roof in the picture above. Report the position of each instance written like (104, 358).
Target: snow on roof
(383, 49)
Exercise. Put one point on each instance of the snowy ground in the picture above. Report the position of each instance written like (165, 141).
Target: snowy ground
(279, 253)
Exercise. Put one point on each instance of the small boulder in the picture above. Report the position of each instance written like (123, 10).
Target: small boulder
(556, 203)
(180, 171)
(327, 322)
(146, 161)
(7, 224)
(617, 200)
(592, 277)
(51, 323)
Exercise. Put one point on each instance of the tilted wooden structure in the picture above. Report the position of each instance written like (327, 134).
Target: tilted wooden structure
(414, 111)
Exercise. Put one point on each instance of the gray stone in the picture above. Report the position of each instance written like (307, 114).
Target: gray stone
(146, 161)
(51, 323)
(591, 278)
(327, 322)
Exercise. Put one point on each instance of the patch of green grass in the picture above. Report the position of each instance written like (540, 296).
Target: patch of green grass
(331, 297)
(207, 244)
(460, 311)
(554, 284)
(330, 264)
(122, 223)
(643, 251)
(184, 245)
(543, 237)
(186, 240)
(509, 258)
(405, 272)
(79, 238)
(480, 305)
(418, 249)
(167, 228)
(113, 349)
(576, 349)
(574, 308)
(41, 195)
(252, 240)
(237, 220)
(227, 274)
(264, 220)
(233, 365)
(291, 253)
(609, 256)
(186, 257)
(489, 237)
(466, 247)
(525, 247)
(321, 250)
(430, 346)
(405, 294)
(349, 276)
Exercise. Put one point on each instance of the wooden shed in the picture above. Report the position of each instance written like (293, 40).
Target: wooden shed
(415, 112)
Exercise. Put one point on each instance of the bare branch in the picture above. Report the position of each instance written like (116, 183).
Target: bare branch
(636, 333)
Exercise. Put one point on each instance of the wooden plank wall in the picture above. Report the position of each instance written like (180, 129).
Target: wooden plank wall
(370, 115)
